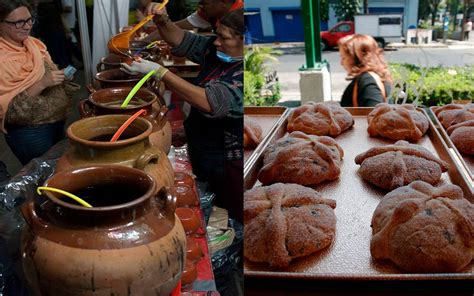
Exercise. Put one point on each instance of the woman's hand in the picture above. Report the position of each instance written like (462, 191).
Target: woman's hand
(144, 67)
(161, 15)
(154, 8)
(52, 78)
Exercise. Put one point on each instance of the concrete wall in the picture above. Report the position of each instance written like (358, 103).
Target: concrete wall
(410, 11)
(266, 15)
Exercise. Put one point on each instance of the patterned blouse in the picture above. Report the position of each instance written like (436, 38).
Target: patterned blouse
(221, 130)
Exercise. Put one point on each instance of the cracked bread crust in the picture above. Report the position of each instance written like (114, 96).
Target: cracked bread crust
(424, 229)
(302, 159)
(452, 114)
(462, 135)
(252, 133)
(397, 122)
(396, 165)
(321, 119)
(286, 221)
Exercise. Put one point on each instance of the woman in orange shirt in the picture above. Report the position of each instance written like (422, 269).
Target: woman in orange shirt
(34, 102)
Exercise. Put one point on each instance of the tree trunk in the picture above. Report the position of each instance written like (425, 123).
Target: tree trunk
(366, 6)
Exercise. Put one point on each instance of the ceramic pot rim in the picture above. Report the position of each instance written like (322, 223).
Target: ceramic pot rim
(84, 170)
(100, 76)
(144, 135)
(125, 90)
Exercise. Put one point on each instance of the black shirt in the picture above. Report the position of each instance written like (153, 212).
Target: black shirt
(368, 92)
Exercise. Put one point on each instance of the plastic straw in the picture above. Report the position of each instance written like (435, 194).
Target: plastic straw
(124, 126)
(76, 198)
(136, 88)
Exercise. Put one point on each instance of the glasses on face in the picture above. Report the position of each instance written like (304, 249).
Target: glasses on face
(21, 23)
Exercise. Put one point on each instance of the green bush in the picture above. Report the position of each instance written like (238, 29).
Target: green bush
(431, 86)
(255, 94)
(256, 90)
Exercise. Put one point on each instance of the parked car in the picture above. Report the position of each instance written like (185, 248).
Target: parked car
(384, 28)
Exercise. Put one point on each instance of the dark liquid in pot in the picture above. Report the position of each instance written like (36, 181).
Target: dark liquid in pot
(132, 104)
(108, 137)
(104, 195)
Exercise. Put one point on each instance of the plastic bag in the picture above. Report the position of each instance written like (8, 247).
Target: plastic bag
(228, 264)
(13, 193)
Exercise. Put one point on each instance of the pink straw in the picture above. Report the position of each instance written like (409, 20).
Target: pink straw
(124, 126)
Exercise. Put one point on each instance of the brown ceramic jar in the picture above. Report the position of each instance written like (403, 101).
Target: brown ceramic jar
(90, 145)
(130, 243)
(108, 101)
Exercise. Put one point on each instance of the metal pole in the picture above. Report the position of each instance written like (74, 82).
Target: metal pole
(307, 14)
(85, 44)
(317, 30)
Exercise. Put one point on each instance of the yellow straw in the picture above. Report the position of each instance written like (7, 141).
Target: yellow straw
(136, 88)
(162, 4)
(78, 199)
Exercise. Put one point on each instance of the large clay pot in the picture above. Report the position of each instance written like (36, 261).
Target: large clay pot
(108, 101)
(130, 243)
(89, 138)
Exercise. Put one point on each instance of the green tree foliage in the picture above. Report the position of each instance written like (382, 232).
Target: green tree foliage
(346, 9)
(324, 13)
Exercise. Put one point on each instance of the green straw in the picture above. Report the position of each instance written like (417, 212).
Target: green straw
(76, 198)
(136, 88)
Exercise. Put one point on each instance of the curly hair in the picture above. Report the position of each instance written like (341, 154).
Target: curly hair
(362, 54)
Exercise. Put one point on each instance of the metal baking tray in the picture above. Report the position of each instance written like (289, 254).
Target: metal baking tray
(464, 161)
(269, 119)
(348, 257)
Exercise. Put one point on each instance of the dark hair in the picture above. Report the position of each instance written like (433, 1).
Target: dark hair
(234, 20)
(7, 6)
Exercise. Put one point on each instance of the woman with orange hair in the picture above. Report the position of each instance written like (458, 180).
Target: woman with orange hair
(363, 60)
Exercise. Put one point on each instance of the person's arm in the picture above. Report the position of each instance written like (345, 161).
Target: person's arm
(171, 33)
(184, 24)
(194, 95)
(153, 36)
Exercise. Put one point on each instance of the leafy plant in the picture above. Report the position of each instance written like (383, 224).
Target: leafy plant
(346, 9)
(255, 58)
(257, 91)
(431, 86)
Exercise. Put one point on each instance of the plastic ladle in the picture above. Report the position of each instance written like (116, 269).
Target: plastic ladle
(120, 43)
(76, 198)
(136, 88)
(124, 126)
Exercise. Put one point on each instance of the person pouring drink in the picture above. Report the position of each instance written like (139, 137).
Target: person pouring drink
(214, 128)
